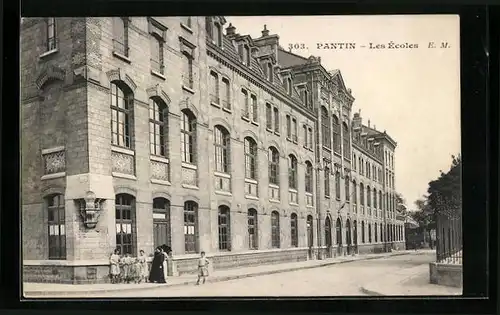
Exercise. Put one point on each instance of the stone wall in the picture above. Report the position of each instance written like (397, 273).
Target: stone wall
(446, 274)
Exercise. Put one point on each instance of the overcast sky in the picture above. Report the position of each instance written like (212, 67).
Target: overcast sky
(413, 94)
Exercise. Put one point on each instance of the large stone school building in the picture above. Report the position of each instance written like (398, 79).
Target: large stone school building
(142, 131)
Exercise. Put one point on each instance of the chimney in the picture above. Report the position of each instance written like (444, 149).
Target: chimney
(230, 30)
(375, 127)
(368, 123)
(265, 31)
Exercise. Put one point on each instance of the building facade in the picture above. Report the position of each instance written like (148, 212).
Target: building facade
(219, 143)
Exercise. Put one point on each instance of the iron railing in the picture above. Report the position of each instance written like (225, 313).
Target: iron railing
(449, 236)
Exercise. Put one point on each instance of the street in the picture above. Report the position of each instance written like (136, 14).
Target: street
(336, 280)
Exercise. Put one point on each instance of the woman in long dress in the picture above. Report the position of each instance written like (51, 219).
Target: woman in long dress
(156, 275)
(114, 266)
(144, 272)
(166, 250)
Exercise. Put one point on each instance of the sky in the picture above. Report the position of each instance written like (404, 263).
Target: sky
(412, 93)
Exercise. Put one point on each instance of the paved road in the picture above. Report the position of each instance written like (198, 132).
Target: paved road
(341, 279)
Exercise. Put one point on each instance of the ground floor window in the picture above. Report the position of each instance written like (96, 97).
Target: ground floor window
(293, 230)
(253, 242)
(224, 229)
(275, 229)
(56, 226)
(124, 218)
(190, 226)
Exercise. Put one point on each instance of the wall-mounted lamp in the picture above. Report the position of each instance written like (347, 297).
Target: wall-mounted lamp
(90, 210)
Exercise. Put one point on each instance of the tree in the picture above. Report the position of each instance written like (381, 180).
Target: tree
(424, 216)
(445, 194)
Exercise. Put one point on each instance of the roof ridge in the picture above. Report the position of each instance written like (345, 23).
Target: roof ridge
(291, 53)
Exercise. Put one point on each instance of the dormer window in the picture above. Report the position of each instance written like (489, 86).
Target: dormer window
(270, 72)
(306, 98)
(218, 34)
(289, 86)
(244, 52)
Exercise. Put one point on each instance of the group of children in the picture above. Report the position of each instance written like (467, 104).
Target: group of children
(126, 269)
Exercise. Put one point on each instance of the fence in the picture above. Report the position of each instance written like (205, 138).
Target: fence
(449, 236)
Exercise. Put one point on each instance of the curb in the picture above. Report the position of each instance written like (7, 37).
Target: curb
(212, 280)
(370, 292)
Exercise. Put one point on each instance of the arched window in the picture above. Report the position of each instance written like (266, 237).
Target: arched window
(125, 223)
(56, 226)
(361, 194)
(309, 224)
(328, 232)
(336, 134)
(347, 190)
(354, 161)
(51, 34)
(355, 232)
(275, 229)
(274, 166)
(224, 228)
(325, 128)
(250, 158)
(161, 222)
(121, 114)
(327, 180)
(337, 185)
(190, 227)
(375, 232)
(188, 137)
(375, 199)
(338, 226)
(369, 233)
(294, 230)
(381, 233)
(158, 128)
(292, 172)
(368, 197)
(363, 232)
(222, 155)
(253, 240)
(380, 200)
(346, 135)
(354, 192)
(309, 177)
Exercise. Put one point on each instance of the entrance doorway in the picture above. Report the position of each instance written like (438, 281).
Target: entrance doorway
(310, 236)
(328, 237)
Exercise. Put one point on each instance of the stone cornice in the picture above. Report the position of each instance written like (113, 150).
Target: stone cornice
(212, 52)
(366, 152)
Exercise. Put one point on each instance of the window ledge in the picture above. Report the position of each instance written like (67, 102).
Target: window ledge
(122, 57)
(223, 193)
(227, 110)
(293, 204)
(188, 89)
(295, 141)
(159, 159)
(54, 175)
(327, 148)
(214, 104)
(255, 123)
(53, 150)
(327, 197)
(245, 118)
(252, 197)
(190, 166)
(122, 150)
(158, 74)
(251, 181)
(274, 186)
(269, 129)
(310, 206)
(48, 53)
(219, 174)
(160, 182)
(121, 175)
(309, 194)
(277, 133)
(274, 201)
(187, 28)
(292, 190)
(190, 187)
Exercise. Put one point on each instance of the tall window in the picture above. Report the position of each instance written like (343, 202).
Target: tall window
(254, 112)
(121, 112)
(380, 199)
(157, 60)
(161, 222)
(188, 137)
(224, 228)
(187, 70)
(244, 102)
(289, 86)
(245, 54)
(56, 227)
(158, 127)
(375, 232)
(226, 94)
(218, 34)
(310, 138)
(270, 71)
(375, 199)
(347, 190)
(306, 140)
(292, 172)
(124, 216)
(186, 20)
(222, 155)
(354, 161)
(120, 34)
(309, 177)
(276, 120)
(325, 127)
(190, 226)
(369, 233)
(361, 194)
(275, 229)
(269, 116)
(368, 197)
(327, 181)
(337, 185)
(354, 193)
(336, 134)
(250, 158)
(294, 230)
(51, 34)
(288, 127)
(346, 135)
(360, 166)
(274, 166)
(306, 98)
(214, 87)
(362, 231)
(253, 241)
(294, 129)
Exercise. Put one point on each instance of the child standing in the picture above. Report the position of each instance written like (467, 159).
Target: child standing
(114, 265)
(202, 268)
(143, 270)
(126, 263)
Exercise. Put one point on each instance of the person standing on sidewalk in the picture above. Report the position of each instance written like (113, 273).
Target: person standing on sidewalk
(143, 274)
(202, 268)
(114, 266)
(156, 274)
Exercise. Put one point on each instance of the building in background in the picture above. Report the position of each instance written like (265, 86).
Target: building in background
(140, 131)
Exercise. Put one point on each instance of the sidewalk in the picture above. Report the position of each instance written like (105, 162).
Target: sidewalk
(409, 282)
(51, 289)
